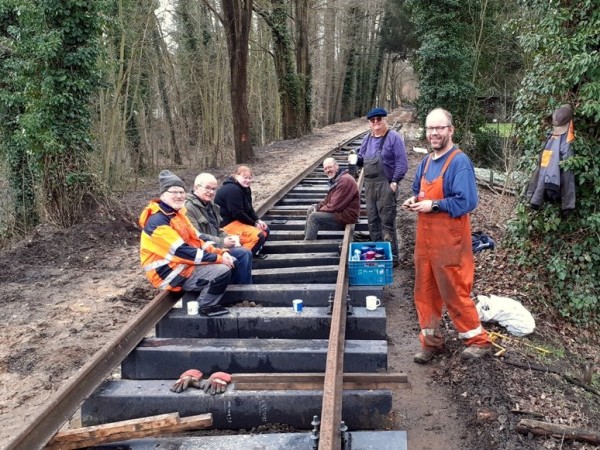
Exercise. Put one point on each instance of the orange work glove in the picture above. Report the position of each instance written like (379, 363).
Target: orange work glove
(190, 377)
(216, 384)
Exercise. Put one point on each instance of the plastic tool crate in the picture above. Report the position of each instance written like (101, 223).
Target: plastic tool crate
(374, 272)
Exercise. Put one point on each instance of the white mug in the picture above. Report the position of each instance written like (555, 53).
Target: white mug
(372, 302)
(192, 308)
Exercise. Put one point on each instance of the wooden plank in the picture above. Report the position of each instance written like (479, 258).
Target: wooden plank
(126, 426)
(396, 377)
(314, 381)
(318, 386)
(102, 435)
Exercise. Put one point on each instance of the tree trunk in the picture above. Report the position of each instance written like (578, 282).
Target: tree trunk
(290, 92)
(164, 96)
(303, 66)
(237, 17)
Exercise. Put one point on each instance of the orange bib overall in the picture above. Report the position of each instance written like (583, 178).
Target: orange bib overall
(444, 270)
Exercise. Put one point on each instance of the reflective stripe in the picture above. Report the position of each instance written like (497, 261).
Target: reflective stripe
(175, 246)
(176, 271)
(472, 333)
(428, 331)
(199, 255)
(156, 264)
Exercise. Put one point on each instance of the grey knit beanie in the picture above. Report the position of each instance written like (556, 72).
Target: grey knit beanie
(167, 179)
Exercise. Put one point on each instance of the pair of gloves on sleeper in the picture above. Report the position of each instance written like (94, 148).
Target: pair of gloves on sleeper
(215, 384)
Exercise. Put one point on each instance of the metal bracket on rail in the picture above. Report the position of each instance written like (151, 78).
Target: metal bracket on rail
(349, 307)
(330, 304)
(346, 436)
(314, 434)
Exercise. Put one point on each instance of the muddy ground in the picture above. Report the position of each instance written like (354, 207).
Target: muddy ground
(64, 293)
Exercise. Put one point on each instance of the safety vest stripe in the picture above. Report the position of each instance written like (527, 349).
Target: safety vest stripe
(175, 245)
(157, 264)
(176, 271)
(199, 255)
(428, 331)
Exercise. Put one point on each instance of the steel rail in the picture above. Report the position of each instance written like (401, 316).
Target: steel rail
(61, 406)
(333, 386)
(274, 198)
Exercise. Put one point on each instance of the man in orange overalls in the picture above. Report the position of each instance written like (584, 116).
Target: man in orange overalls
(444, 193)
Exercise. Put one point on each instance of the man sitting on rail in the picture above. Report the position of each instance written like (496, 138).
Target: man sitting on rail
(341, 205)
(205, 216)
(173, 255)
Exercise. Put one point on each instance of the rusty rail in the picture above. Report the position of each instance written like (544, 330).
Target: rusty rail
(331, 412)
(64, 403)
(66, 400)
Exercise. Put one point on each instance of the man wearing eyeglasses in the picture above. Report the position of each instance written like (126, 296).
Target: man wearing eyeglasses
(383, 157)
(445, 192)
(173, 255)
(341, 205)
(205, 215)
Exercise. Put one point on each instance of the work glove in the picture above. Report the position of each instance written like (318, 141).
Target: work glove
(216, 384)
(190, 377)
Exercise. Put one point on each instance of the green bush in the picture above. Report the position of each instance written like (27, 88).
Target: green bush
(563, 249)
(488, 150)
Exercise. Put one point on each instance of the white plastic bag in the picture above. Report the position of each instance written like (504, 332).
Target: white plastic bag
(507, 312)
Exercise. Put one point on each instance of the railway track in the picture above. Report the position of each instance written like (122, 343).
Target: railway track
(322, 373)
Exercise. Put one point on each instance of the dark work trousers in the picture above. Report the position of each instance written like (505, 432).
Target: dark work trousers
(319, 220)
(381, 212)
(210, 282)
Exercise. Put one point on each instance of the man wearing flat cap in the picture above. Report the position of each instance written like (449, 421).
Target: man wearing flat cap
(172, 253)
(383, 157)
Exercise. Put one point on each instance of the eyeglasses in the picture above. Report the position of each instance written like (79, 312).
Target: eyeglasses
(437, 129)
(176, 192)
(208, 188)
(375, 119)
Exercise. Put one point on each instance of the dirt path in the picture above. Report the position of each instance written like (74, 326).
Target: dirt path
(63, 294)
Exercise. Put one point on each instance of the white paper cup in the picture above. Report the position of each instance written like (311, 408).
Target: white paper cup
(192, 308)
(297, 306)
(372, 302)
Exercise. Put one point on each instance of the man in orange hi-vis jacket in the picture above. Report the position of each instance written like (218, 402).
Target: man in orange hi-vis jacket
(173, 255)
(444, 193)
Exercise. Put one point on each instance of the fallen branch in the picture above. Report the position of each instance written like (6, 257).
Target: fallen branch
(560, 431)
(546, 369)
(127, 429)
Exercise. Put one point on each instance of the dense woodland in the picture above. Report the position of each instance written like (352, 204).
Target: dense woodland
(96, 95)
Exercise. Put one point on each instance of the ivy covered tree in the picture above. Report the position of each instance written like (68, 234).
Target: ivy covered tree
(444, 61)
(563, 251)
(53, 61)
(21, 169)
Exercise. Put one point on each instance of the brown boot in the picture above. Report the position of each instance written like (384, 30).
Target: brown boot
(423, 356)
(475, 352)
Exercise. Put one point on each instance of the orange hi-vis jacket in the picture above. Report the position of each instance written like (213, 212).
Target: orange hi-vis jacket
(170, 246)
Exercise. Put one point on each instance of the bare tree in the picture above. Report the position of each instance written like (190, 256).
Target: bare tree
(236, 19)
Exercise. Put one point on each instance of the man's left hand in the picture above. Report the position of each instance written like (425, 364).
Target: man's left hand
(229, 260)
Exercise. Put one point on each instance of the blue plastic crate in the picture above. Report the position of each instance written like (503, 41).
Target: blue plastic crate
(372, 272)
